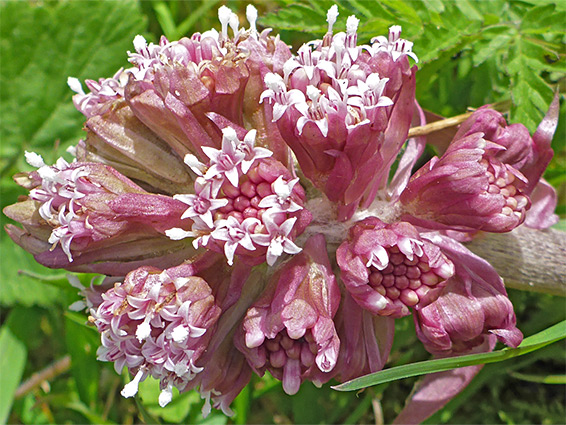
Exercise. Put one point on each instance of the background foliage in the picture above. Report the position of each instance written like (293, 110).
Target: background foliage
(470, 53)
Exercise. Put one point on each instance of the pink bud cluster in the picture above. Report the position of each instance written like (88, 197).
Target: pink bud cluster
(101, 91)
(244, 201)
(389, 269)
(155, 323)
(333, 105)
(59, 189)
(232, 148)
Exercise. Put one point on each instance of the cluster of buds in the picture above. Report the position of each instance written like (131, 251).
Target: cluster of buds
(244, 202)
(258, 211)
(344, 110)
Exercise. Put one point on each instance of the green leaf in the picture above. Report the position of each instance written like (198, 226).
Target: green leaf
(13, 354)
(297, 17)
(41, 44)
(82, 342)
(540, 379)
(197, 14)
(83, 39)
(19, 289)
(532, 343)
(176, 411)
(242, 406)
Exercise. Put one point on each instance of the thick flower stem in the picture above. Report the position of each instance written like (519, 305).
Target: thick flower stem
(527, 259)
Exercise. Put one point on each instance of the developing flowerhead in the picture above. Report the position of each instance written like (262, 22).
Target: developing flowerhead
(468, 188)
(389, 269)
(289, 330)
(245, 202)
(156, 323)
(332, 107)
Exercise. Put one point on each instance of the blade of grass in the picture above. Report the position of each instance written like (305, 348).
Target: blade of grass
(540, 379)
(532, 343)
(13, 355)
(165, 19)
(194, 17)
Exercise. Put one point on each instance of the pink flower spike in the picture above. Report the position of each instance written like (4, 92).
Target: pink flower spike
(224, 162)
(281, 200)
(395, 45)
(281, 98)
(278, 238)
(235, 233)
(251, 153)
(202, 203)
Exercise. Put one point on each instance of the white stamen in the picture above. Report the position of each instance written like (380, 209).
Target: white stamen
(224, 15)
(251, 15)
(72, 150)
(139, 43)
(394, 33)
(177, 234)
(313, 93)
(274, 82)
(75, 85)
(230, 134)
(352, 24)
(331, 16)
(180, 334)
(143, 330)
(34, 159)
(131, 388)
(166, 395)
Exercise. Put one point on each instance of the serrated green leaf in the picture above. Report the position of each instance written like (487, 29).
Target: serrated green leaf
(469, 9)
(84, 40)
(532, 343)
(435, 5)
(543, 19)
(483, 51)
(404, 10)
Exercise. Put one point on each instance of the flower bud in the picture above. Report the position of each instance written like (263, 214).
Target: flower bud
(88, 217)
(468, 188)
(156, 323)
(515, 138)
(118, 139)
(339, 116)
(289, 330)
(472, 308)
(390, 268)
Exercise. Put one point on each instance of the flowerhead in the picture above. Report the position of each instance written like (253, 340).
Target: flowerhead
(256, 210)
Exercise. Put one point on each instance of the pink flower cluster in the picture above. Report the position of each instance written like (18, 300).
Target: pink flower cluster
(257, 210)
